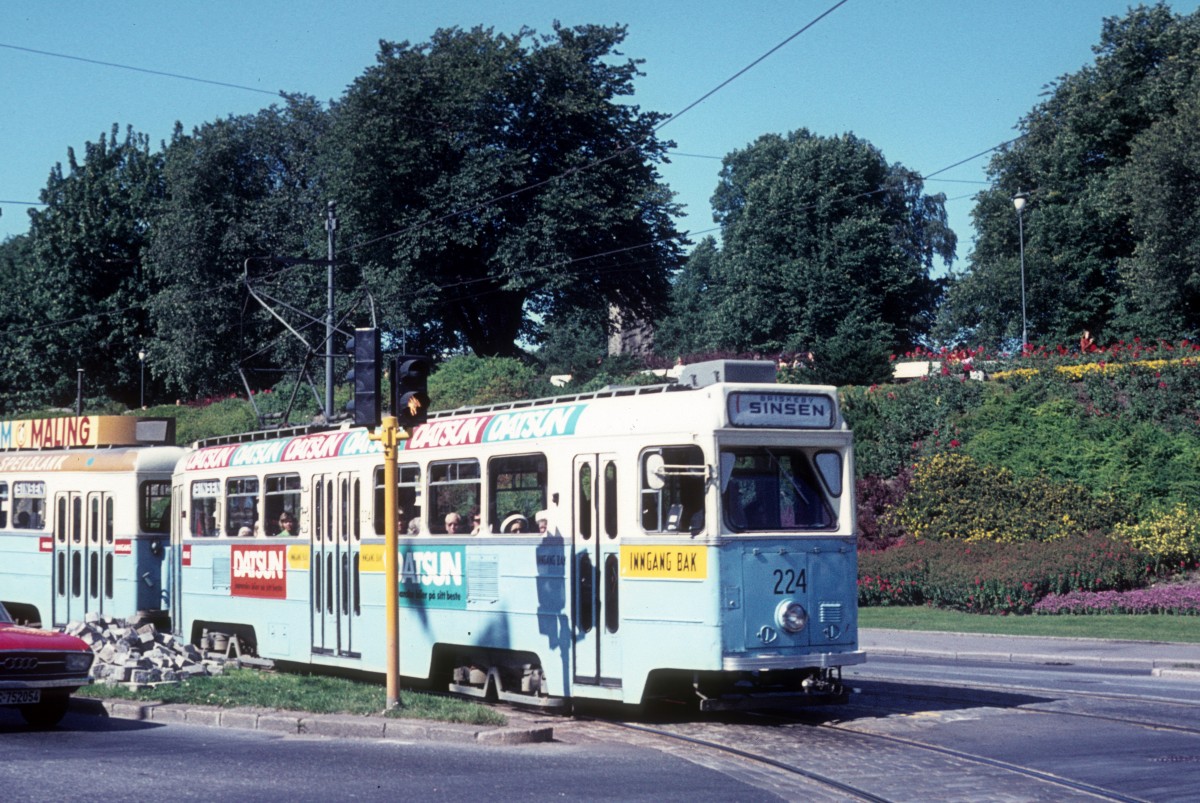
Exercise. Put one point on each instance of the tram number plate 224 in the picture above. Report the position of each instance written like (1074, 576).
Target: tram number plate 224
(789, 581)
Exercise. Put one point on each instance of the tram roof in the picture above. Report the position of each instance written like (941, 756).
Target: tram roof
(526, 419)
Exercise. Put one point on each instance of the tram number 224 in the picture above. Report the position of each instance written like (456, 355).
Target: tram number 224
(789, 581)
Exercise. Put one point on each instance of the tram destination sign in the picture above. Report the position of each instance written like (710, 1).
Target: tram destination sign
(780, 410)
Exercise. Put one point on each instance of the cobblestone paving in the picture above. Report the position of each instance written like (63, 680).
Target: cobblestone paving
(889, 770)
(775, 782)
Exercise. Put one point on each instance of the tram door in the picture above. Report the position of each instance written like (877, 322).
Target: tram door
(83, 554)
(336, 545)
(175, 566)
(596, 571)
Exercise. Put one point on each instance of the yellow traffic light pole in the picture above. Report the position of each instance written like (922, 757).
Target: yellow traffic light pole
(391, 435)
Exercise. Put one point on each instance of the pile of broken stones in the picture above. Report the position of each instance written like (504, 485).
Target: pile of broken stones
(141, 655)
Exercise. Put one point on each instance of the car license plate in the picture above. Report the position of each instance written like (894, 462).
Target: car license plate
(20, 697)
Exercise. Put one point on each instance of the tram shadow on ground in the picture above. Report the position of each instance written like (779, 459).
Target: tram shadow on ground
(868, 699)
(908, 698)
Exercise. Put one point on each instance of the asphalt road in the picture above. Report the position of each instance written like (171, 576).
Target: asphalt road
(94, 758)
(1096, 712)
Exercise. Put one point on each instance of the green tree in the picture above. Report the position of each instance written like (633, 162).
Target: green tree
(239, 191)
(690, 326)
(1162, 179)
(576, 347)
(17, 324)
(86, 302)
(826, 248)
(1084, 224)
(492, 182)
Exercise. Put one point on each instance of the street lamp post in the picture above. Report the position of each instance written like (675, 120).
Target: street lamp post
(142, 364)
(1019, 204)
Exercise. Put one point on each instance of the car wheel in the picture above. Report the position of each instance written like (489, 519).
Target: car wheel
(49, 712)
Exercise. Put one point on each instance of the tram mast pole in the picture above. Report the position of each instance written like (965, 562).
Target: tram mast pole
(330, 228)
(390, 434)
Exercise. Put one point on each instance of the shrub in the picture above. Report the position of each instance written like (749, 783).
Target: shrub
(953, 496)
(218, 418)
(878, 498)
(1171, 538)
(1160, 391)
(996, 577)
(469, 380)
(896, 424)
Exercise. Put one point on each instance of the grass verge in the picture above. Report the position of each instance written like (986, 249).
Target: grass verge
(316, 694)
(1128, 627)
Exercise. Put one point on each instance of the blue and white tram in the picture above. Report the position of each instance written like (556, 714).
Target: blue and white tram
(611, 546)
(84, 517)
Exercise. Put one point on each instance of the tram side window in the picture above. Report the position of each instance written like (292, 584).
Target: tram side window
(517, 491)
(770, 489)
(155, 508)
(29, 504)
(241, 506)
(453, 488)
(282, 504)
(205, 500)
(408, 499)
(3, 504)
(672, 480)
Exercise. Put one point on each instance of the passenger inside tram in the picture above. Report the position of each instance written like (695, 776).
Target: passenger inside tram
(515, 523)
(288, 524)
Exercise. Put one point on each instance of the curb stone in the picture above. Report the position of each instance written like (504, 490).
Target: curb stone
(1156, 667)
(1157, 659)
(1175, 672)
(345, 726)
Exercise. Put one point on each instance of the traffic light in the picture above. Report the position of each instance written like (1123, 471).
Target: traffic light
(366, 404)
(410, 390)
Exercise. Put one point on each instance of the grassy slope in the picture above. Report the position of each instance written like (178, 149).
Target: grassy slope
(1152, 627)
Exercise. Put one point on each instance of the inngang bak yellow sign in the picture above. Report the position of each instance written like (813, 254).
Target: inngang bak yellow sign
(664, 562)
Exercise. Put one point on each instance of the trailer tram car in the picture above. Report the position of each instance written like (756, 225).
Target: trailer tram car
(629, 541)
(84, 519)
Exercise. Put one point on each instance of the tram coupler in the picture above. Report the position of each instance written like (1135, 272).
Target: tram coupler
(823, 688)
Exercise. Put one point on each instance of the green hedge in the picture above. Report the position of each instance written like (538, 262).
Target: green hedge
(997, 578)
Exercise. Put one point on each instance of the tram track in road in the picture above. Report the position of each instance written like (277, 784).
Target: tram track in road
(806, 778)
(1026, 772)
(981, 694)
(832, 759)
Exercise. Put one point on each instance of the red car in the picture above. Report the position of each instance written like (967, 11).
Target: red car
(39, 669)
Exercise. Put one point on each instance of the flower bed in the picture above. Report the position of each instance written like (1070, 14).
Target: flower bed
(1174, 599)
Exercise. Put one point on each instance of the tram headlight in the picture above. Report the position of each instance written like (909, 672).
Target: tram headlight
(791, 616)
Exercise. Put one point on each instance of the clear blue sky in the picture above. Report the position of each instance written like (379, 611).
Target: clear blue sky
(929, 82)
